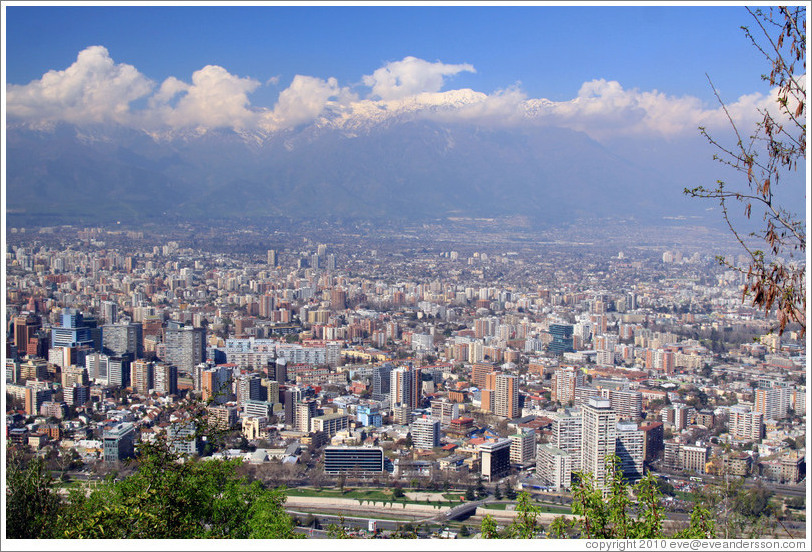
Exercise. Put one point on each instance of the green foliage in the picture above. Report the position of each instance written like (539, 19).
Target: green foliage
(32, 503)
(337, 530)
(510, 492)
(525, 525)
(623, 511)
(488, 528)
(167, 499)
(702, 525)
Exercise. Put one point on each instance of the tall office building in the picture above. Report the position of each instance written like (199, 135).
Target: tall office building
(562, 339)
(381, 378)
(495, 456)
(25, 327)
(119, 442)
(599, 436)
(185, 346)
(74, 332)
(273, 260)
(630, 449)
(125, 339)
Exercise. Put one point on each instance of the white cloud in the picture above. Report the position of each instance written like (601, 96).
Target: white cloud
(96, 89)
(216, 98)
(93, 89)
(304, 100)
(411, 76)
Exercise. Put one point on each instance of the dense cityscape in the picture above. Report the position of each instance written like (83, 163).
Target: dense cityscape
(430, 271)
(431, 370)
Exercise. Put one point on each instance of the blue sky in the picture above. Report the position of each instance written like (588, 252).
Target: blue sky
(607, 70)
(549, 50)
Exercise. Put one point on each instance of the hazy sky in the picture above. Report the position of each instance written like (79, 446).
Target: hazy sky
(635, 67)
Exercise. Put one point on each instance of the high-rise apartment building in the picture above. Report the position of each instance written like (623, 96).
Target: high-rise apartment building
(567, 434)
(125, 339)
(522, 447)
(746, 424)
(506, 396)
(653, 444)
(118, 372)
(142, 376)
(773, 402)
(444, 411)
(165, 378)
(425, 433)
(479, 373)
(249, 388)
(565, 380)
(215, 383)
(554, 466)
(185, 346)
(627, 404)
(405, 386)
(629, 448)
(599, 436)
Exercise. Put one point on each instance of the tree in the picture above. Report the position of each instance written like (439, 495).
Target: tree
(32, 503)
(776, 147)
(625, 512)
(525, 526)
(165, 498)
(488, 528)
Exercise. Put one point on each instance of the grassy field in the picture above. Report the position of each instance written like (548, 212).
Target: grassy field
(366, 495)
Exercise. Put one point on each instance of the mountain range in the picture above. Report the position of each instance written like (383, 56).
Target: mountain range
(402, 168)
